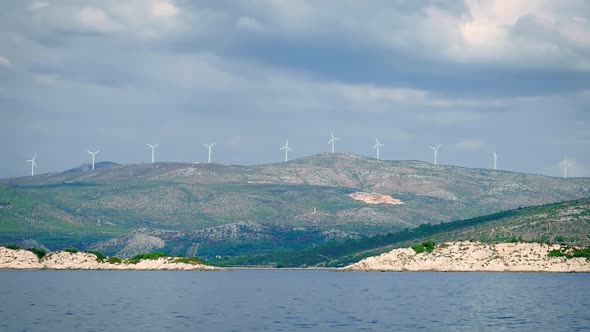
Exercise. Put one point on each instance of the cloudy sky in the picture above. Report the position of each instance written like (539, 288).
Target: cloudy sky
(476, 76)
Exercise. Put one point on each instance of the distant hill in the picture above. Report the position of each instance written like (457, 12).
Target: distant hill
(88, 167)
(185, 207)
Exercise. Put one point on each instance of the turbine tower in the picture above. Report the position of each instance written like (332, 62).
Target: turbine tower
(33, 164)
(495, 161)
(565, 164)
(332, 140)
(93, 155)
(153, 148)
(377, 147)
(435, 152)
(287, 149)
(210, 146)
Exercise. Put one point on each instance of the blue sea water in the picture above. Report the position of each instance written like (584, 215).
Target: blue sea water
(292, 300)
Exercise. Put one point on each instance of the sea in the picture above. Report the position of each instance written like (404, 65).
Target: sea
(292, 300)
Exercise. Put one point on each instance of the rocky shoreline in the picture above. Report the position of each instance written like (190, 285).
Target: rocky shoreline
(20, 259)
(477, 257)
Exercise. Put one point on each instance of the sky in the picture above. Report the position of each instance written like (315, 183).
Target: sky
(477, 77)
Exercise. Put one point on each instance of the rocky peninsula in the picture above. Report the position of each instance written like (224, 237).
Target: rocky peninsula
(20, 259)
(479, 257)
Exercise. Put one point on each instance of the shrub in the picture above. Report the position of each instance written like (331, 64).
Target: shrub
(71, 250)
(582, 253)
(39, 252)
(114, 260)
(100, 257)
(418, 248)
(555, 253)
(12, 246)
(152, 255)
(427, 246)
(188, 260)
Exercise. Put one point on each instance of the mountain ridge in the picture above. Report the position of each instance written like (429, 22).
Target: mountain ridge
(300, 198)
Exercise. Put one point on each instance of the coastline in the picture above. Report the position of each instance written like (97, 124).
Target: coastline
(477, 257)
(21, 259)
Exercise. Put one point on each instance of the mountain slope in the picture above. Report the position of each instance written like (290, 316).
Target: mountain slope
(307, 196)
(564, 222)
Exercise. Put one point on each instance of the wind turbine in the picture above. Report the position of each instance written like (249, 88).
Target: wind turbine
(377, 147)
(495, 160)
(565, 164)
(210, 146)
(93, 155)
(287, 149)
(33, 164)
(435, 152)
(332, 140)
(153, 148)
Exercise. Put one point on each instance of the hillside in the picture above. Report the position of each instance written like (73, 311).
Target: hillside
(211, 209)
(567, 223)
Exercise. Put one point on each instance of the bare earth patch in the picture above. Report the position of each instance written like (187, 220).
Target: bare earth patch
(374, 198)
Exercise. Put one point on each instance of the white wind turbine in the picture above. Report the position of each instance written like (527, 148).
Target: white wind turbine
(33, 164)
(93, 156)
(332, 140)
(287, 149)
(377, 147)
(435, 152)
(495, 160)
(153, 148)
(565, 164)
(210, 146)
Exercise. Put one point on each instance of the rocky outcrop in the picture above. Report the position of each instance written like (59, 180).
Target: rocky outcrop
(23, 259)
(18, 259)
(476, 256)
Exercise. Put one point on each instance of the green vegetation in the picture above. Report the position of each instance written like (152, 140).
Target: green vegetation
(188, 260)
(12, 246)
(418, 249)
(555, 253)
(427, 246)
(152, 255)
(100, 257)
(39, 252)
(71, 250)
(114, 260)
(568, 252)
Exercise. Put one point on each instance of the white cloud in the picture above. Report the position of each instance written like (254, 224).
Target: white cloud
(96, 19)
(38, 5)
(4, 61)
(163, 9)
